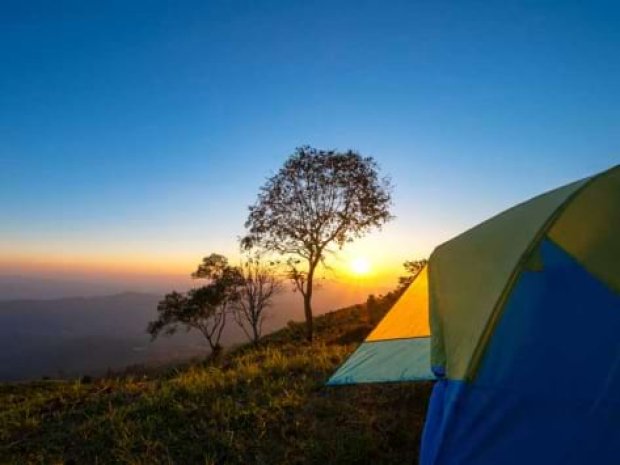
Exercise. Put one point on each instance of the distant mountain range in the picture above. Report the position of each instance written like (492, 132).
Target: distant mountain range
(68, 337)
(76, 336)
(14, 287)
(29, 287)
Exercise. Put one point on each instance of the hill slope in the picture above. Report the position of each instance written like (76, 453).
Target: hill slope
(264, 405)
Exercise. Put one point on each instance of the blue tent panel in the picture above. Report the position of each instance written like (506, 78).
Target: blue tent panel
(548, 388)
(387, 361)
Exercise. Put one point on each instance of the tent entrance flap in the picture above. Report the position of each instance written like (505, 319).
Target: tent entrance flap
(398, 349)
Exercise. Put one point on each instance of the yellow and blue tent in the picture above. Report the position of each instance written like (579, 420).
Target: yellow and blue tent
(518, 320)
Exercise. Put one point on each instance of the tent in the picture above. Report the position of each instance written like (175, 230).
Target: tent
(518, 320)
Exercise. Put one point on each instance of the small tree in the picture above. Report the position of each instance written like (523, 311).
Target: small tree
(317, 199)
(372, 305)
(413, 268)
(259, 285)
(205, 308)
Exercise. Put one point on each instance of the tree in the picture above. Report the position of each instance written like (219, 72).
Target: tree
(204, 308)
(259, 285)
(372, 305)
(317, 200)
(413, 268)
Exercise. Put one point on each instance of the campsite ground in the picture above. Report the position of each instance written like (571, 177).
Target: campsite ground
(263, 405)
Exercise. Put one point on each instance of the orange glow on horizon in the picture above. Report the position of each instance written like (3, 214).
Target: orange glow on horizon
(342, 270)
(117, 264)
(368, 263)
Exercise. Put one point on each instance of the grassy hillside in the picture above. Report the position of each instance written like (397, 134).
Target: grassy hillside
(264, 405)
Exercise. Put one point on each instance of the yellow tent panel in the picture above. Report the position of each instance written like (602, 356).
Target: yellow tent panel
(409, 316)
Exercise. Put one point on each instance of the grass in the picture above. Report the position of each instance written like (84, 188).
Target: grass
(256, 405)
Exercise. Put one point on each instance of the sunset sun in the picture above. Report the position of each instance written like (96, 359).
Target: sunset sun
(360, 266)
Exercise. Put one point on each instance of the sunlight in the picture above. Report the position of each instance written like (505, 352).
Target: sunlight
(360, 266)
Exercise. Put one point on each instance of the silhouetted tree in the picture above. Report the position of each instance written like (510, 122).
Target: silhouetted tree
(371, 308)
(317, 199)
(413, 268)
(259, 285)
(204, 308)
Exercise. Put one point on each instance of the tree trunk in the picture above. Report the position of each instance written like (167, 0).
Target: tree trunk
(216, 352)
(308, 314)
(308, 304)
(255, 334)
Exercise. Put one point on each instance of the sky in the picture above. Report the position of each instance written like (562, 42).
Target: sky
(133, 135)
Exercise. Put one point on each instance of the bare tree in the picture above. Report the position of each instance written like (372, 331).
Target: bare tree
(318, 199)
(259, 285)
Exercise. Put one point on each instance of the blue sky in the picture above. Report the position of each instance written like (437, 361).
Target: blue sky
(138, 132)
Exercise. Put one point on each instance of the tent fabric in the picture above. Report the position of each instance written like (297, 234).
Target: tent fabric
(541, 395)
(398, 349)
(387, 361)
(591, 234)
(409, 316)
(524, 316)
(469, 273)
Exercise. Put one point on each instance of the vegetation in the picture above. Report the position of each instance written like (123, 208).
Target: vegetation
(204, 308)
(412, 267)
(318, 199)
(264, 404)
(259, 284)
(244, 291)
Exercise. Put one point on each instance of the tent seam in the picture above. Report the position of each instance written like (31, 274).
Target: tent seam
(365, 341)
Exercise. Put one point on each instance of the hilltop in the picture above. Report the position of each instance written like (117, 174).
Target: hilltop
(255, 405)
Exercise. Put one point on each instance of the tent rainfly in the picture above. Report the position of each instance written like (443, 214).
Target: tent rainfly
(518, 320)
